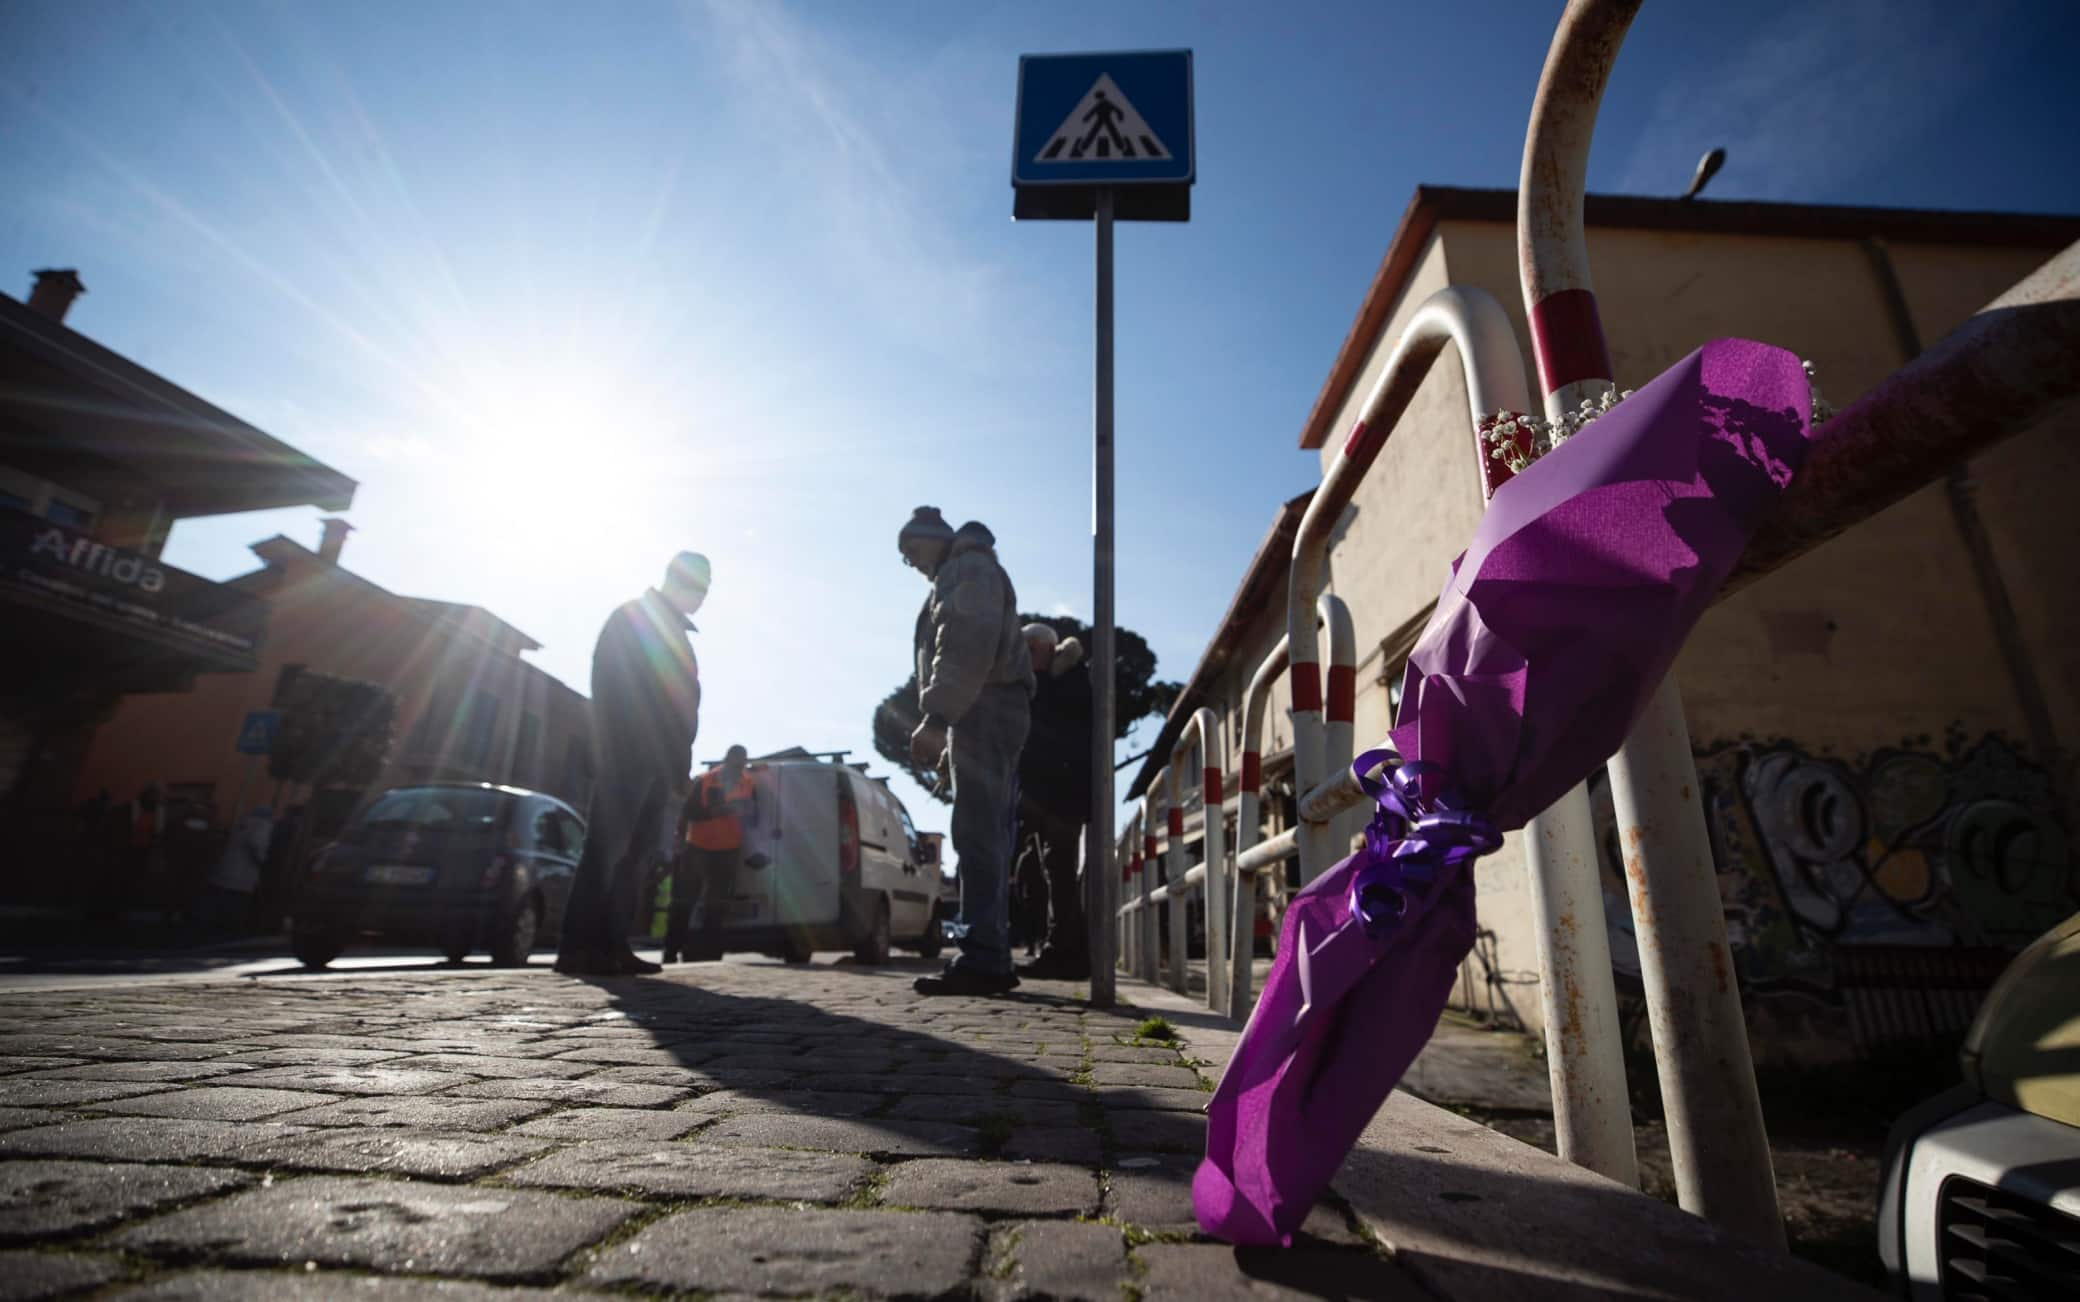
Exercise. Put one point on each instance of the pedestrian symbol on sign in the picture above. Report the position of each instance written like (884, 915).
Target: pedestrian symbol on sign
(1103, 126)
(256, 734)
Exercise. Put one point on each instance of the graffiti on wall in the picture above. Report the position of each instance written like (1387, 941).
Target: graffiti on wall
(1905, 847)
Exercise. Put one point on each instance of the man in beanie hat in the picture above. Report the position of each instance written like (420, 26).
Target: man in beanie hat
(974, 684)
(646, 707)
(1054, 798)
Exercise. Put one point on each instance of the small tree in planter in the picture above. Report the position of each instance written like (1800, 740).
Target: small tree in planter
(334, 739)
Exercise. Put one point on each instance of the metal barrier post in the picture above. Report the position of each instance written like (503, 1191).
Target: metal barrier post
(1151, 924)
(1204, 727)
(1715, 1129)
(1494, 371)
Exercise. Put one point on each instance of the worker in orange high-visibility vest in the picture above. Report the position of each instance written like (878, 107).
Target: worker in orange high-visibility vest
(721, 800)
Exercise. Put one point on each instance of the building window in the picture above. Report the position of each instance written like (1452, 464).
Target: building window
(479, 722)
(525, 743)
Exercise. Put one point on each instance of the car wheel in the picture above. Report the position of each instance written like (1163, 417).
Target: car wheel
(314, 949)
(872, 949)
(796, 949)
(515, 940)
(934, 938)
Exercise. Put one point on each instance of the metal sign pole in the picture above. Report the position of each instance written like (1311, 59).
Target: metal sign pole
(1100, 879)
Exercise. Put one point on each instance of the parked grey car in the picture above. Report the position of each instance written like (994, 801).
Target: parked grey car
(454, 865)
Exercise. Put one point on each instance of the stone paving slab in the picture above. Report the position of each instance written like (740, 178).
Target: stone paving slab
(837, 1135)
(1141, 1073)
(399, 1152)
(365, 1078)
(147, 1072)
(1004, 1188)
(1159, 1132)
(25, 1092)
(319, 1286)
(1154, 1097)
(693, 1171)
(1180, 1272)
(808, 1103)
(688, 1078)
(13, 1065)
(1055, 1144)
(304, 1057)
(388, 1225)
(1153, 1191)
(772, 1251)
(26, 1275)
(1069, 1261)
(146, 1139)
(43, 1199)
(967, 1109)
(431, 1113)
(16, 1118)
(606, 1093)
(487, 1067)
(612, 1123)
(215, 1103)
(126, 1050)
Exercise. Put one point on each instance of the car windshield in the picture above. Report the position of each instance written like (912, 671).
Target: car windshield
(443, 810)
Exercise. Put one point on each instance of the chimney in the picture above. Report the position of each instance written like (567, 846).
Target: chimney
(335, 538)
(54, 291)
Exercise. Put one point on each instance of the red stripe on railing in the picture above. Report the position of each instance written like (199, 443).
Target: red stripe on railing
(1567, 335)
(1343, 693)
(1307, 685)
(1356, 441)
(1252, 772)
(1148, 845)
(1216, 787)
(1177, 822)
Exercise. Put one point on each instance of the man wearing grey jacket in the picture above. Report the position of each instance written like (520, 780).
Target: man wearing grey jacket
(975, 684)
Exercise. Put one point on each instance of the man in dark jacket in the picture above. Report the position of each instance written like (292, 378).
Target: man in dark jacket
(646, 703)
(1054, 778)
(975, 683)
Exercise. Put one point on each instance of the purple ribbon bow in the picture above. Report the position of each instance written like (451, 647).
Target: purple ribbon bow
(1412, 838)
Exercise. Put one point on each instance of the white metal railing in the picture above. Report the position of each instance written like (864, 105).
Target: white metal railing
(1228, 884)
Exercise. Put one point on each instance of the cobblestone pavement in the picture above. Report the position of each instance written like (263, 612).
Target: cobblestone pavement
(724, 1130)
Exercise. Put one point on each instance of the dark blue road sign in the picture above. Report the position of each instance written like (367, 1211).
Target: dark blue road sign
(256, 734)
(1118, 120)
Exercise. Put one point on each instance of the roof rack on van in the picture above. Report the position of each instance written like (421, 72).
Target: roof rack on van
(795, 753)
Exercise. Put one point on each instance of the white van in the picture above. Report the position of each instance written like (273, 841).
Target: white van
(841, 866)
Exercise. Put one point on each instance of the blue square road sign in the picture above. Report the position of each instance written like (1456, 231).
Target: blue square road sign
(256, 734)
(1120, 120)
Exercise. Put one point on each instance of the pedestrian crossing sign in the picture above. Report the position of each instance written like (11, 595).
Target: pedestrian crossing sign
(1121, 122)
(256, 734)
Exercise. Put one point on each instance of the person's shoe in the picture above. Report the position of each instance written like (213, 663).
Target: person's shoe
(1054, 965)
(585, 962)
(629, 963)
(966, 981)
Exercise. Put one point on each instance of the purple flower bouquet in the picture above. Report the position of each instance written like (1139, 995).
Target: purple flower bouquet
(1585, 576)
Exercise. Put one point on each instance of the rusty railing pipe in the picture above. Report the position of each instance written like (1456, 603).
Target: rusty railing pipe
(1717, 1142)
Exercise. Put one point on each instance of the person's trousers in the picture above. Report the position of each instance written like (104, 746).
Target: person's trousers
(707, 876)
(623, 834)
(1060, 845)
(985, 748)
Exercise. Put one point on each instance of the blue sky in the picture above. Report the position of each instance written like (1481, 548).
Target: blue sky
(568, 288)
